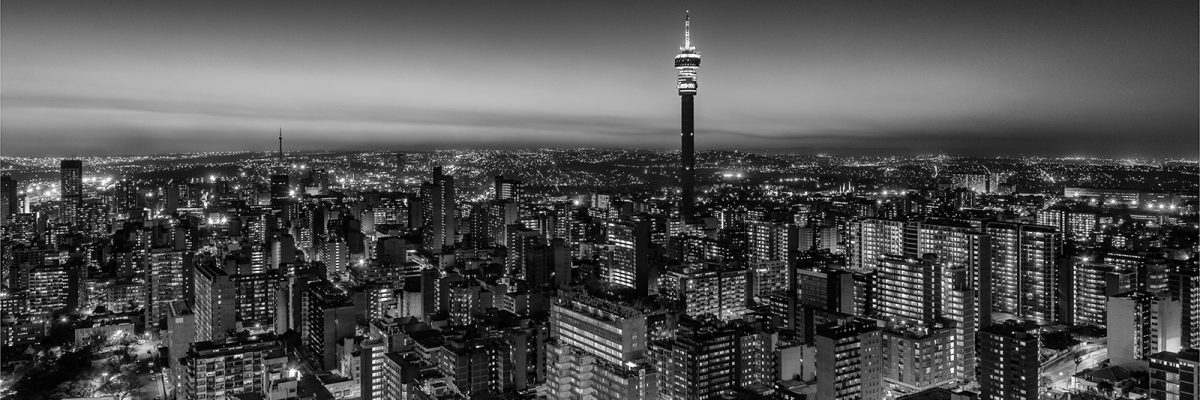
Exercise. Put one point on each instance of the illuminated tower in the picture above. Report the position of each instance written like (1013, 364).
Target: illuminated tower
(687, 61)
(280, 184)
(71, 189)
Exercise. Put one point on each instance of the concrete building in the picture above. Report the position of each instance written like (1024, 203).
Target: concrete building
(850, 360)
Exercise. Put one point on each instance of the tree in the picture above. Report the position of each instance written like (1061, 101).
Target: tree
(122, 387)
(1105, 387)
(1061, 340)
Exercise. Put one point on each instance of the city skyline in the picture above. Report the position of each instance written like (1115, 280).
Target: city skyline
(382, 201)
(1075, 79)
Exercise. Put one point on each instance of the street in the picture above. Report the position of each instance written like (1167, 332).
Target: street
(1060, 369)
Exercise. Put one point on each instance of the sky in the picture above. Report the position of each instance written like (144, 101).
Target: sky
(1071, 78)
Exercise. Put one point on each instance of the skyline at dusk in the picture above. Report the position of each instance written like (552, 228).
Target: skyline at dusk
(545, 200)
(1090, 79)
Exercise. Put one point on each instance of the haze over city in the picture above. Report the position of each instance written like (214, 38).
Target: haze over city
(976, 78)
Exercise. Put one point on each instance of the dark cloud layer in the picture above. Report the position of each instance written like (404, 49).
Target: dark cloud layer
(1056, 78)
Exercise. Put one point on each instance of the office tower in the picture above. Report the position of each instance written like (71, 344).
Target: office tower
(1092, 285)
(519, 243)
(245, 365)
(336, 256)
(872, 238)
(53, 288)
(1141, 324)
(127, 198)
(1184, 285)
(509, 189)
(1024, 279)
(255, 298)
(478, 367)
(687, 62)
(769, 241)
(598, 351)
(712, 361)
(71, 190)
(215, 308)
(549, 265)
(439, 214)
(711, 290)
(464, 302)
(283, 251)
(166, 275)
(823, 296)
(1008, 362)
(501, 215)
(8, 199)
(329, 317)
(624, 261)
(909, 290)
(919, 357)
(850, 360)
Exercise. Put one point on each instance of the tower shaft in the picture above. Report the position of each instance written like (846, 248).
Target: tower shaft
(686, 63)
(687, 168)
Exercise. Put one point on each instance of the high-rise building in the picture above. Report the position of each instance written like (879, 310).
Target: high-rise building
(520, 242)
(711, 361)
(872, 238)
(71, 190)
(53, 288)
(507, 189)
(958, 308)
(9, 204)
(336, 256)
(501, 215)
(957, 245)
(625, 260)
(909, 290)
(919, 358)
(824, 295)
(166, 273)
(372, 355)
(215, 308)
(721, 293)
(850, 360)
(1141, 324)
(222, 370)
(1008, 362)
(181, 333)
(687, 62)
(598, 350)
(439, 214)
(1184, 285)
(329, 317)
(1024, 278)
(549, 264)
(1189, 374)
(770, 241)
(1092, 285)
(1167, 374)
